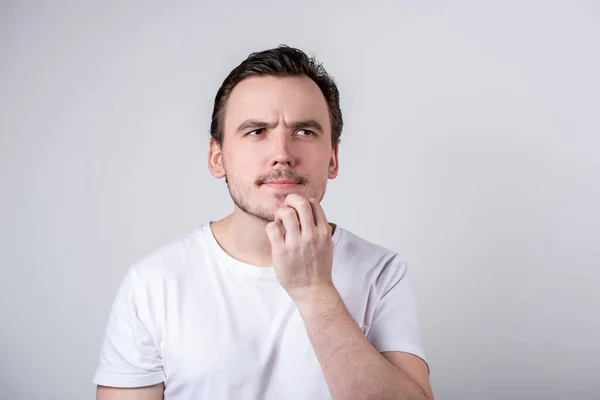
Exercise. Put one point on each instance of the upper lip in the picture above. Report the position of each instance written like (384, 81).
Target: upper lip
(282, 181)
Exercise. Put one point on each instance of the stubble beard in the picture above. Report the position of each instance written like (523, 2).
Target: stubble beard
(240, 194)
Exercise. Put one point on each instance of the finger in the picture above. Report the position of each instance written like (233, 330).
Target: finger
(288, 217)
(304, 210)
(275, 234)
(281, 229)
(320, 218)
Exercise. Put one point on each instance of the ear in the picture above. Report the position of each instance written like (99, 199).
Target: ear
(334, 164)
(215, 159)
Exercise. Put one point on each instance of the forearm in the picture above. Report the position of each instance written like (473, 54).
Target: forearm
(352, 367)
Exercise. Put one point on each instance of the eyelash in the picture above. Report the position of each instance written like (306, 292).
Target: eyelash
(261, 130)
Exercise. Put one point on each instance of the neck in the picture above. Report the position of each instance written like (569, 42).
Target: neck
(243, 237)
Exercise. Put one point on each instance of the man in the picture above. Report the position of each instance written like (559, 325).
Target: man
(273, 301)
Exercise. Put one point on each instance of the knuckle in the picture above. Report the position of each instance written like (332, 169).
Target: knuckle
(324, 232)
(302, 201)
(311, 238)
(305, 206)
(288, 213)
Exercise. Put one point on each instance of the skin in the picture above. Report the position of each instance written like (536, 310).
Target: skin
(154, 392)
(285, 227)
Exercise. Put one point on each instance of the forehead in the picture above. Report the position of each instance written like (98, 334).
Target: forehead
(273, 99)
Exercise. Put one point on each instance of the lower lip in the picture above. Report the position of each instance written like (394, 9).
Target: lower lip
(281, 186)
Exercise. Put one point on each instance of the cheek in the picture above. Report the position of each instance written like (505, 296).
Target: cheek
(320, 165)
(240, 170)
(241, 156)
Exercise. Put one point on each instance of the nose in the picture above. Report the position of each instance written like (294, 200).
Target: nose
(282, 154)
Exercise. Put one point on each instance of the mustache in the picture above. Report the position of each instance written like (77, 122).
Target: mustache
(287, 174)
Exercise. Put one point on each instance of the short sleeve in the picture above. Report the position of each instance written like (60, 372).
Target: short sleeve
(395, 323)
(129, 356)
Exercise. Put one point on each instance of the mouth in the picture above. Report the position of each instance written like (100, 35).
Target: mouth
(282, 184)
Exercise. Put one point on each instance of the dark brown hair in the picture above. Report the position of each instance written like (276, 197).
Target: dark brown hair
(282, 61)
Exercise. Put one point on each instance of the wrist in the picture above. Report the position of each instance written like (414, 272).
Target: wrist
(317, 300)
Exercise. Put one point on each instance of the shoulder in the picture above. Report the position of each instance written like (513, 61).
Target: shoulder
(352, 245)
(174, 259)
(361, 256)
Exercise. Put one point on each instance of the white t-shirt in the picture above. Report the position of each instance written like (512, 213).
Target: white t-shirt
(212, 327)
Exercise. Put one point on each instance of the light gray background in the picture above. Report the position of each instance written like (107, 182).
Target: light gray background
(470, 146)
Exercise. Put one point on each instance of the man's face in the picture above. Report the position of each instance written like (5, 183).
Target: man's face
(276, 141)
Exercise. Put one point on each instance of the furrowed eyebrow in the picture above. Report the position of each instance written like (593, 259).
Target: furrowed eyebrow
(307, 124)
(255, 124)
(300, 124)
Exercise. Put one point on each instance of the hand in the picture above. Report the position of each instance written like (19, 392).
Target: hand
(301, 246)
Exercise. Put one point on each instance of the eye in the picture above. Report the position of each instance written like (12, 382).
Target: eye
(255, 132)
(306, 132)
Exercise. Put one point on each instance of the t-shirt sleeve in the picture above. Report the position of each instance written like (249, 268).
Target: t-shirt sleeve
(129, 356)
(395, 323)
